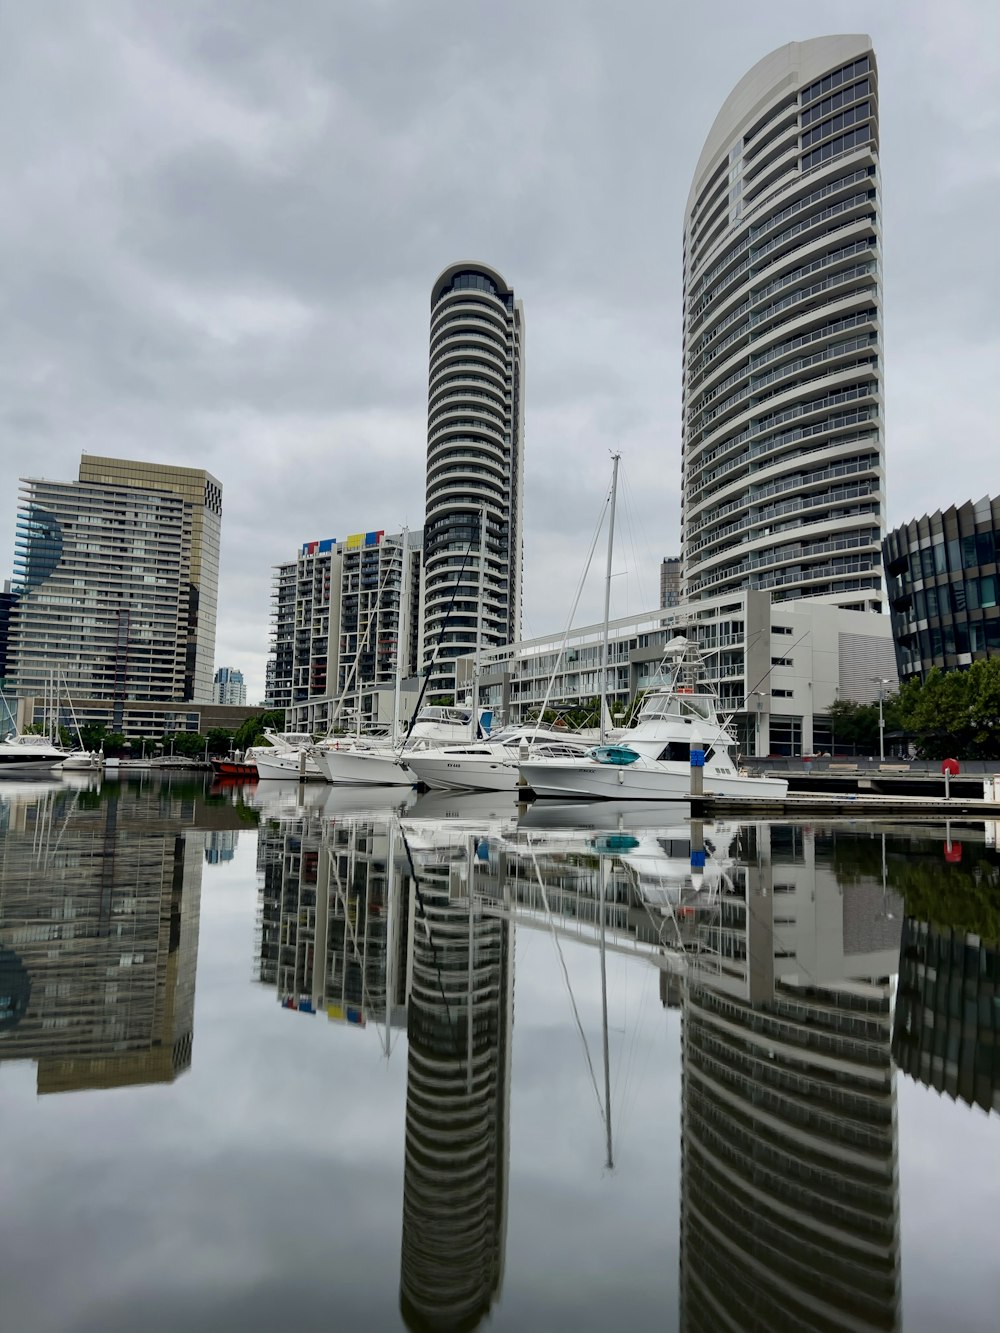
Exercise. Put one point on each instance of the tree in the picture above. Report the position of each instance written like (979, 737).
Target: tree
(251, 730)
(955, 713)
(220, 741)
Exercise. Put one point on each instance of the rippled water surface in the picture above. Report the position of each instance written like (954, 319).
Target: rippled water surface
(277, 1059)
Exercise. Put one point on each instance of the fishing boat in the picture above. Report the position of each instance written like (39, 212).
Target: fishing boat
(285, 756)
(677, 723)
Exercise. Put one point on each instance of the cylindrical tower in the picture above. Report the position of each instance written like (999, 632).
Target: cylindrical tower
(783, 456)
(475, 467)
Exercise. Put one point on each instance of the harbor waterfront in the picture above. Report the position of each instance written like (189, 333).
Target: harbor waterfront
(292, 1055)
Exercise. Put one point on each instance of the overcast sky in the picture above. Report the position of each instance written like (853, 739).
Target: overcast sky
(223, 221)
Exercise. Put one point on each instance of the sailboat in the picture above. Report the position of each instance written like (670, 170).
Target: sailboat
(25, 754)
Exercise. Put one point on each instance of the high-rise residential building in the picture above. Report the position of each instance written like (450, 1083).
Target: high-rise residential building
(335, 618)
(229, 687)
(670, 580)
(475, 470)
(116, 584)
(783, 446)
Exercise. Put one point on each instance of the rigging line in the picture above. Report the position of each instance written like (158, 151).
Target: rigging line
(576, 603)
(437, 645)
(362, 640)
(764, 677)
(569, 988)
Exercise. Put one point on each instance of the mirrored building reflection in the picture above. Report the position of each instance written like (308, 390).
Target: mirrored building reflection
(99, 912)
(789, 1190)
(947, 1023)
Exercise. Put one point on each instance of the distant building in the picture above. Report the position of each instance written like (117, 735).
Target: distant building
(475, 466)
(335, 616)
(670, 580)
(229, 687)
(116, 585)
(942, 575)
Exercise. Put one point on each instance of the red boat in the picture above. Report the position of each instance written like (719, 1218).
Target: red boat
(233, 768)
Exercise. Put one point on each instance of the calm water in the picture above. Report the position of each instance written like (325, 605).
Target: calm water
(275, 1062)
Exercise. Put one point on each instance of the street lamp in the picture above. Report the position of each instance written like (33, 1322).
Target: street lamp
(881, 682)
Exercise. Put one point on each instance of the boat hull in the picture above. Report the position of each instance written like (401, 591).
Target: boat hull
(640, 782)
(469, 773)
(364, 768)
(287, 767)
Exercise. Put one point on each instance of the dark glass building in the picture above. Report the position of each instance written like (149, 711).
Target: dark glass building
(941, 573)
(947, 1024)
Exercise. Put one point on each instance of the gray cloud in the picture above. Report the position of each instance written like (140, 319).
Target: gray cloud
(225, 219)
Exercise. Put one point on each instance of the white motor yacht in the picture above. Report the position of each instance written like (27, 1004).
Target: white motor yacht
(652, 760)
(492, 765)
(26, 755)
(377, 762)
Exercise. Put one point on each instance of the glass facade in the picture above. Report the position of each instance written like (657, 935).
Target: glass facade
(782, 463)
(942, 580)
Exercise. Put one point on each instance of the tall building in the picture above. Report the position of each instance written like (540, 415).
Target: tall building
(670, 580)
(335, 617)
(943, 577)
(116, 583)
(475, 467)
(783, 445)
(229, 687)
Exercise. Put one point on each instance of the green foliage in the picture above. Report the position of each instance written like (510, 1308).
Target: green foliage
(220, 741)
(251, 730)
(92, 734)
(955, 713)
(114, 744)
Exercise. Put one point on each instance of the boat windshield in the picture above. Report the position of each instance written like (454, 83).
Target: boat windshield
(701, 706)
(436, 713)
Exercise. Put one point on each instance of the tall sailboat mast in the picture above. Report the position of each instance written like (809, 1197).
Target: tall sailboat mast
(607, 597)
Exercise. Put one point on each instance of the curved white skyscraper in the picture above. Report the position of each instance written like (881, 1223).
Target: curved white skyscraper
(475, 466)
(783, 456)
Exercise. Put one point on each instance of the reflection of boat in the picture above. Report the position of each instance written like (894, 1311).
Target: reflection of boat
(279, 799)
(675, 724)
(464, 807)
(380, 805)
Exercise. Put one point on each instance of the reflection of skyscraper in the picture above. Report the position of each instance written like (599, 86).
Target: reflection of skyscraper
(99, 911)
(331, 935)
(789, 1210)
(947, 1025)
(460, 1022)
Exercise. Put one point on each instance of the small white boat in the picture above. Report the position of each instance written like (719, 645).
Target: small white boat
(286, 756)
(81, 761)
(652, 761)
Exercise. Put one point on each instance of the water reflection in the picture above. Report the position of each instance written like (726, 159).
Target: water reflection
(99, 902)
(789, 1178)
(397, 928)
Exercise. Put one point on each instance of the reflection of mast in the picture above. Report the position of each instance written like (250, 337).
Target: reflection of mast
(459, 1024)
(789, 1210)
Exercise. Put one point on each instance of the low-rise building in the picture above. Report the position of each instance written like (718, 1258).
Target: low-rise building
(777, 667)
